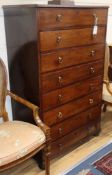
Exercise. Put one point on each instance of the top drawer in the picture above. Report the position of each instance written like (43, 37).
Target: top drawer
(52, 40)
(65, 17)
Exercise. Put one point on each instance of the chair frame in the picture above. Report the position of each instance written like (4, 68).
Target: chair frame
(39, 123)
(105, 103)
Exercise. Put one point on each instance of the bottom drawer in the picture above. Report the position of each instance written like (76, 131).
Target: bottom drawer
(76, 136)
(75, 122)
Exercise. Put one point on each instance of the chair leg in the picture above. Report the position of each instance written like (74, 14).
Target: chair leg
(47, 161)
(104, 107)
(47, 165)
(39, 158)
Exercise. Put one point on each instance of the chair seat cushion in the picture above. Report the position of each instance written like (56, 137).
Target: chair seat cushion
(106, 95)
(17, 139)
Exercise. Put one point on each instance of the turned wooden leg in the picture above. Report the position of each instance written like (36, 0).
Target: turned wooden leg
(39, 158)
(47, 160)
(47, 165)
(104, 107)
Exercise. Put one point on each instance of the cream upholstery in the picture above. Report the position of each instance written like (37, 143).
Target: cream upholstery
(18, 139)
(106, 95)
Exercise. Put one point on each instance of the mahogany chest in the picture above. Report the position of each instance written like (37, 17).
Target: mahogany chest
(56, 59)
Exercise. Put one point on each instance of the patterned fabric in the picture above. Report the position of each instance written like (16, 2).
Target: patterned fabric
(105, 164)
(106, 95)
(85, 172)
(88, 165)
(18, 139)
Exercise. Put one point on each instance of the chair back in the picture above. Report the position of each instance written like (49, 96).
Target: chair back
(3, 88)
(106, 63)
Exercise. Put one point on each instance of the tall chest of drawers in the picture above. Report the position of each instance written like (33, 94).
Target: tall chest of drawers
(56, 59)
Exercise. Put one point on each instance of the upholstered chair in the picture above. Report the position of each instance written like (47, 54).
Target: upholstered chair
(107, 85)
(20, 140)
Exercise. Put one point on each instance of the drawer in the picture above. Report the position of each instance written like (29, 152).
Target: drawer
(69, 93)
(65, 142)
(54, 18)
(72, 56)
(72, 108)
(75, 137)
(70, 38)
(75, 122)
(58, 79)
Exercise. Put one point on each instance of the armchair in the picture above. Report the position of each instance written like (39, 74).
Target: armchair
(20, 140)
(107, 83)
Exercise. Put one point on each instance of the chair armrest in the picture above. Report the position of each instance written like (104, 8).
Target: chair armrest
(109, 89)
(105, 81)
(35, 109)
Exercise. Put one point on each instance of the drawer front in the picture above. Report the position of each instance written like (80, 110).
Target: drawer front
(75, 122)
(62, 144)
(58, 79)
(65, 111)
(73, 56)
(65, 142)
(70, 38)
(54, 18)
(69, 93)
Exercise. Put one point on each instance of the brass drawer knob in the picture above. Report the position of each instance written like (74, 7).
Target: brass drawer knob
(60, 80)
(92, 70)
(59, 39)
(92, 53)
(91, 87)
(60, 97)
(91, 101)
(59, 18)
(60, 130)
(60, 60)
(95, 19)
(60, 115)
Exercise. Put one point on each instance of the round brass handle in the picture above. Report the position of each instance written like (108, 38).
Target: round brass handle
(60, 80)
(95, 19)
(91, 101)
(60, 97)
(92, 53)
(60, 130)
(92, 70)
(60, 60)
(59, 39)
(91, 87)
(59, 18)
(60, 115)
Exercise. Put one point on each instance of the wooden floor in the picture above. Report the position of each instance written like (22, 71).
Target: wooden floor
(72, 157)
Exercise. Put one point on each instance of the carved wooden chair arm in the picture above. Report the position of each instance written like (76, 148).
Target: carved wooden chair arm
(35, 109)
(107, 82)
